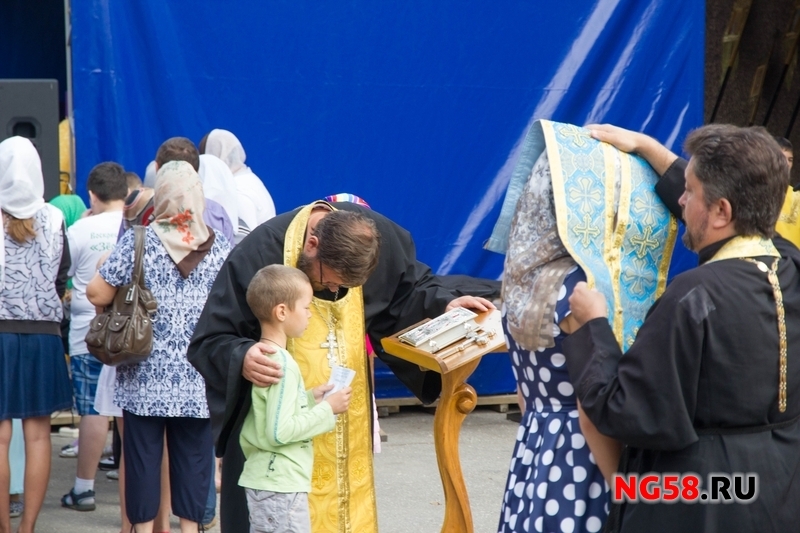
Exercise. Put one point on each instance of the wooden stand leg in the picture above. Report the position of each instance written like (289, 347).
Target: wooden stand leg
(457, 401)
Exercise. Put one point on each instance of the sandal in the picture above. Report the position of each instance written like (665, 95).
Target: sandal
(80, 502)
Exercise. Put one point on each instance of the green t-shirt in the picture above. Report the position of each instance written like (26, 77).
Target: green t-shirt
(277, 432)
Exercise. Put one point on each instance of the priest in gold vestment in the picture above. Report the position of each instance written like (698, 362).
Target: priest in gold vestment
(367, 281)
(788, 225)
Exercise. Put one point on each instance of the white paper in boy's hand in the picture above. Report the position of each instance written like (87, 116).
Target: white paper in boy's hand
(341, 377)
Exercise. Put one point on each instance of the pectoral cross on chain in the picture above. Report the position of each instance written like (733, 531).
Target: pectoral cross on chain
(331, 344)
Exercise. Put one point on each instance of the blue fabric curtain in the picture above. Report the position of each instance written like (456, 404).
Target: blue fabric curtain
(416, 106)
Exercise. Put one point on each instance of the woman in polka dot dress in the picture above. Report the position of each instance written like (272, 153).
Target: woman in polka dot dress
(553, 484)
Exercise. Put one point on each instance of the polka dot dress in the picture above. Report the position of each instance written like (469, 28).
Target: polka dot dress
(553, 482)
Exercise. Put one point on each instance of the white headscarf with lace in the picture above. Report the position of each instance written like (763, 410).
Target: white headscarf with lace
(227, 147)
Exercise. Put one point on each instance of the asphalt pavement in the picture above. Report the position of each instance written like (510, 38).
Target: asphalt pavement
(409, 492)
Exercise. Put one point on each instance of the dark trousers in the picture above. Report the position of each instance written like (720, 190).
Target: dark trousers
(234, 516)
(188, 443)
(211, 501)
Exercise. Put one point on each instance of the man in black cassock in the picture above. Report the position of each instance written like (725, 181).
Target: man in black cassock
(400, 292)
(708, 385)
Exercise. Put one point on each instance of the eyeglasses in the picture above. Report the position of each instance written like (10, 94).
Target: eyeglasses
(333, 287)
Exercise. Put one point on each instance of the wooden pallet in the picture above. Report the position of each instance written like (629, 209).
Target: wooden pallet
(499, 403)
(64, 418)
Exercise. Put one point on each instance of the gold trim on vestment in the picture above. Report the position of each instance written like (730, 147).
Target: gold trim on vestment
(342, 498)
(741, 247)
(746, 249)
(614, 254)
(669, 247)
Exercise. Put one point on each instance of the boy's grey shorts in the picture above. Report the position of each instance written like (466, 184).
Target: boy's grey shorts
(278, 512)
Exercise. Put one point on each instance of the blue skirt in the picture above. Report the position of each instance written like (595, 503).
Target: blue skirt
(33, 376)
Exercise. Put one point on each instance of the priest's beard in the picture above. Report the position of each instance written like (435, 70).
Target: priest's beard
(306, 265)
(693, 237)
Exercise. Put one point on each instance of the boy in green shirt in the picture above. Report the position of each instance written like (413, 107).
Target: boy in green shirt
(277, 432)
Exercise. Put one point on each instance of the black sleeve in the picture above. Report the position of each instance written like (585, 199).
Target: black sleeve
(645, 398)
(671, 186)
(63, 267)
(461, 285)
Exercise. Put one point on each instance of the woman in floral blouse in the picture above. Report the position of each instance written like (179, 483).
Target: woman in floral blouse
(181, 259)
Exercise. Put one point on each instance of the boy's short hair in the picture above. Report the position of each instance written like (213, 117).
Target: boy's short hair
(107, 182)
(273, 285)
(133, 180)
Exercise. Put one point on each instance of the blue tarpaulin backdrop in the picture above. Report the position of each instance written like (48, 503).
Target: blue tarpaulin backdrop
(416, 106)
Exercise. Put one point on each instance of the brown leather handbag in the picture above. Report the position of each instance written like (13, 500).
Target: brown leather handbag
(123, 333)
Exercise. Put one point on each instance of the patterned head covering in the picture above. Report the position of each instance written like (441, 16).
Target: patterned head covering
(347, 197)
(71, 205)
(178, 215)
(227, 147)
(536, 263)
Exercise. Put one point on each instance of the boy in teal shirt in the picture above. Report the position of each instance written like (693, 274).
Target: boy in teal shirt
(277, 432)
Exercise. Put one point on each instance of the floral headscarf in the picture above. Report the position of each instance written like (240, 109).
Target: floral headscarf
(178, 215)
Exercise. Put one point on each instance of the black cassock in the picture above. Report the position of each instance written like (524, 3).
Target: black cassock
(698, 389)
(401, 292)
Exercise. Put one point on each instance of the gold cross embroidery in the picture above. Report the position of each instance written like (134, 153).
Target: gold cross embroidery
(638, 276)
(645, 206)
(574, 134)
(585, 195)
(586, 231)
(644, 241)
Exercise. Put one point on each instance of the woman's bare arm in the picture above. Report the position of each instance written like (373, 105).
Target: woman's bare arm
(99, 292)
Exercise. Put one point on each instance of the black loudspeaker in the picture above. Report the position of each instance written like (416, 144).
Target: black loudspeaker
(29, 108)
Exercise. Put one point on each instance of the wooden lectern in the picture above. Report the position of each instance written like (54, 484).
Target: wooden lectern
(455, 363)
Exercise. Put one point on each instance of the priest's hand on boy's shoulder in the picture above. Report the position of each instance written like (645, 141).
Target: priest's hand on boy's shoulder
(260, 369)
(476, 303)
(587, 304)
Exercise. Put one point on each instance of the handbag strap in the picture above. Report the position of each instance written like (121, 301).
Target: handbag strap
(139, 237)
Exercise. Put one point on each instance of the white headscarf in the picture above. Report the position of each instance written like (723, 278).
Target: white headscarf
(219, 185)
(21, 181)
(227, 147)
(21, 184)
